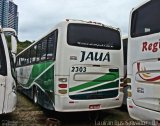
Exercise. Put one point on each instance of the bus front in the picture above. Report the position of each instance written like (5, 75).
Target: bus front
(89, 67)
(143, 62)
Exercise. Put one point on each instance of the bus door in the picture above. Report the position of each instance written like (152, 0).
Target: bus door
(3, 73)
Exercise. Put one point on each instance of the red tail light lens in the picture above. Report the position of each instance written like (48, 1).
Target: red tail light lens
(62, 85)
(130, 106)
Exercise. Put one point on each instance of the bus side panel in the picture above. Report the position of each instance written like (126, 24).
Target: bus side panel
(42, 77)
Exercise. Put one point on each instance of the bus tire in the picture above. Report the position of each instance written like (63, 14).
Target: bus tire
(35, 94)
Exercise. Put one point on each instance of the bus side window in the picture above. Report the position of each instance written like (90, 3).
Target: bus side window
(18, 61)
(32, 55)
(44, 49)
(38, 57)
(27, 57)
(50, 47)
(52, 41)
(22, 61)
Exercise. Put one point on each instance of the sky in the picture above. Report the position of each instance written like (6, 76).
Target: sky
(37, 17)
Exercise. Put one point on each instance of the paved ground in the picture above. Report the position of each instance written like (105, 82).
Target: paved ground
(29, 114)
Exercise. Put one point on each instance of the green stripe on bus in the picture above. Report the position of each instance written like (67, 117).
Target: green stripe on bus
(46, 80)
(97, 81)
(105, 86)
(99, 95)
(36, 71)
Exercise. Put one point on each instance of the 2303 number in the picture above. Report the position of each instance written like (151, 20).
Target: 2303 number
(78, 69)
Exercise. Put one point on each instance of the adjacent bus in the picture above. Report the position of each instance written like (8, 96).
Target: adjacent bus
(8, 95)
(144, 62)
(77, 66)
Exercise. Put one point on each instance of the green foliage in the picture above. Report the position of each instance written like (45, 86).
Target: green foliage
(22, 45)
(8, 41)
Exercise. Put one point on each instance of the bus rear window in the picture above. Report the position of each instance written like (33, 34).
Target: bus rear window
(146, 19)
(92, 36)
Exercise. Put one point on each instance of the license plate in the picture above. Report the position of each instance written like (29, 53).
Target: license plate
(97, 106)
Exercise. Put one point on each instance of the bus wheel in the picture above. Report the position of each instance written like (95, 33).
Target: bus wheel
(35, 92)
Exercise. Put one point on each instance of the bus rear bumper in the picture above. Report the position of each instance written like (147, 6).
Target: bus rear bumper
(65, 104)
(140, 113)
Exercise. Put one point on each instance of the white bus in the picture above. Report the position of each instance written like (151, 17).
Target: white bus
(144, 62)
(78, 66)
(8, 96)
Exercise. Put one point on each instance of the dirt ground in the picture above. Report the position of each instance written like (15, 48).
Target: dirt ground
(26, 114)
(29, 114)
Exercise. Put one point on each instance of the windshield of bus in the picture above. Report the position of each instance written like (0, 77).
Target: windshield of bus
(93, 36)
(146, 19)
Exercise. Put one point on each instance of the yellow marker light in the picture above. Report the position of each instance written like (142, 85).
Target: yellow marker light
(129, 93)
(62, 91)
(127, 80)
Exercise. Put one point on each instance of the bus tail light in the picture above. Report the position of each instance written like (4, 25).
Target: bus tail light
(62, 85)
(130, 106)
(62, 91)
(127, 80)
(129, 93)
(62, 79)
(124, 83)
